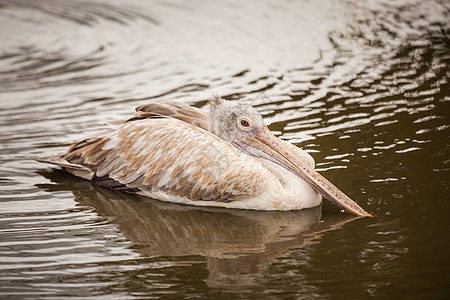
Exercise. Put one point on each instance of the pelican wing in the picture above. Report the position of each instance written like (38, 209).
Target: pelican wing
(176, 110)
(166, 154)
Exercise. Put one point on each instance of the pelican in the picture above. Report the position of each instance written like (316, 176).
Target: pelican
(226, 158)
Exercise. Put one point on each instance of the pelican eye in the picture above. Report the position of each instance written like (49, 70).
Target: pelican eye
(245, 123)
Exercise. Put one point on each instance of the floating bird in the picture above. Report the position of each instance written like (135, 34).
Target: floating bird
(227, 158)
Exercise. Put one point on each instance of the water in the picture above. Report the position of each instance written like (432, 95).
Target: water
(362, 86)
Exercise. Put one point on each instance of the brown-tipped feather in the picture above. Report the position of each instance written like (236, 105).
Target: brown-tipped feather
(180, 111)
(176, 110)
(76, 169)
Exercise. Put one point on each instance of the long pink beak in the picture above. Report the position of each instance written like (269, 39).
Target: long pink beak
(275, 151)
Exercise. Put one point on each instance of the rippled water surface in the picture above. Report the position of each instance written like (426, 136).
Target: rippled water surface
(361, 85)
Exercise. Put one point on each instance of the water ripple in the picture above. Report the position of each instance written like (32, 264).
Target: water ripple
(362, 86)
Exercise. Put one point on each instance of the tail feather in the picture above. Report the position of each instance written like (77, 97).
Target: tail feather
(75, 169)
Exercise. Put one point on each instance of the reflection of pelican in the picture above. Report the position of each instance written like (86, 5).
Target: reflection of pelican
(177, 153)
(236, 244)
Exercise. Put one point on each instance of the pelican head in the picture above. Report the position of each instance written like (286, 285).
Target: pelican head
(241, 125)
(233, 120)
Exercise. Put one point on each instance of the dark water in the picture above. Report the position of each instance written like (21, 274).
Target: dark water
(362, 85)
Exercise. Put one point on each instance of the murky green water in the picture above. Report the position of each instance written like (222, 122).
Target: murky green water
(362, 86)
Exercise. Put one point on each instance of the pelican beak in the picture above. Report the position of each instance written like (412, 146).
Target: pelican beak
(264, 144)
